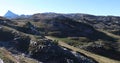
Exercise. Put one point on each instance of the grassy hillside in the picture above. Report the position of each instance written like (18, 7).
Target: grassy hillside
(27, 36)
(96, 57)
(6, 56)
(101, 47)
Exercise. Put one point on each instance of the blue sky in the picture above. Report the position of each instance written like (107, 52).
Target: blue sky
(95, 7)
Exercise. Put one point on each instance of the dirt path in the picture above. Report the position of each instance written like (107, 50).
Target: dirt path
(96, 57)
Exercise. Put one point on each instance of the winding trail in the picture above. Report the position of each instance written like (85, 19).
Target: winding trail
(98, 58)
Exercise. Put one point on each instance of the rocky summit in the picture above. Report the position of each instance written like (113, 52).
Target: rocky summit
(10, 15)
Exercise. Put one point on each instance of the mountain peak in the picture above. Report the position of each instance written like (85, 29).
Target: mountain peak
(9, 11)
(10, 14)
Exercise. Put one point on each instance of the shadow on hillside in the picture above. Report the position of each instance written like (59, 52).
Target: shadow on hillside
(60, 56)
(107, 53)
(100, 35)
(93, 37)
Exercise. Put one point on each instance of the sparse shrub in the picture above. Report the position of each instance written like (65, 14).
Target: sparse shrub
(73, 38)
(84, 39)
(80, 39)
(55, 42)
(56, 33)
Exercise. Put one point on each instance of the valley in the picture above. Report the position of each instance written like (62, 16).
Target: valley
(59, 38)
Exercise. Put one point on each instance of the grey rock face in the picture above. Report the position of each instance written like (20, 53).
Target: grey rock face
(1, 61)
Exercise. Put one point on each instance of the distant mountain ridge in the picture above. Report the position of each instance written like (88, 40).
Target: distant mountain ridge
(99, 22)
